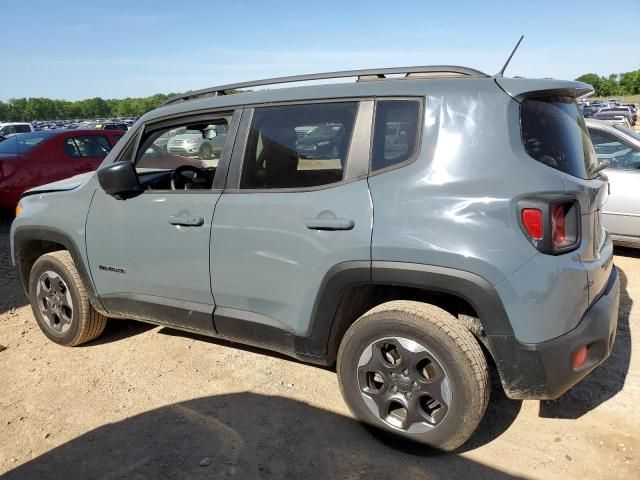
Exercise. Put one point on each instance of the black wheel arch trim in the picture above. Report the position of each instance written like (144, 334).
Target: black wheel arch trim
(478, 292)
(28, 233)
(472, 288)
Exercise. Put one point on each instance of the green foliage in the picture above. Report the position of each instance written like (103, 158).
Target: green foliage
(621, 84)
(29, 109)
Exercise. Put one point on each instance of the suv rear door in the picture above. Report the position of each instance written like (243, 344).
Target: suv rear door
(286, 219)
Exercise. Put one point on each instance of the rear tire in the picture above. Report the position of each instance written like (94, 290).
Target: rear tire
(60, 302)
(413, 371)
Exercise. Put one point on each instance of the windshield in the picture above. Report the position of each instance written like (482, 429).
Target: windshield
(554, 133)
(28, 141)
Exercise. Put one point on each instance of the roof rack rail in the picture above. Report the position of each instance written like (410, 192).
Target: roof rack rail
(368, 74)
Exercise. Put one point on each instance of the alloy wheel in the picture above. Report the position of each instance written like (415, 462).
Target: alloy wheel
(404, 384)
(54, 302)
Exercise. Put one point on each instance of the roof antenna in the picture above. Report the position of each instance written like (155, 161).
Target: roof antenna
(500, 74)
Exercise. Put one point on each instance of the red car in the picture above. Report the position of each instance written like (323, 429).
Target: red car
(32, 159)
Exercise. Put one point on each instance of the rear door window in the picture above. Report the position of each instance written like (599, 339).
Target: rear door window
(87, 146)
(554, 133)
(298, 146)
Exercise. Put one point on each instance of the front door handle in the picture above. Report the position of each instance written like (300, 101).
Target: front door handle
(186, 221)
(329, 223)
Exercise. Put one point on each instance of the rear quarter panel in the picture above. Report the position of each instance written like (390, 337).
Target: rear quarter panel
(456, 207)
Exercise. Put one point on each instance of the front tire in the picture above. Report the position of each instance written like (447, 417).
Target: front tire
(412, 370)
(60, 302)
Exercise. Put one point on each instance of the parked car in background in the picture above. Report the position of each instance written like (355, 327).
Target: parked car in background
(589, 111)
(206, 144)
(104, 126)
(8, 129)
(619, 146)
(626, 111)
(612, 117)
(634, 111)
(32, 159)
(324, 141)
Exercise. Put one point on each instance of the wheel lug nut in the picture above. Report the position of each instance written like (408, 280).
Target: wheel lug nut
(405, 372)
(393, 375)
(409, 395)
(394, 389)
(415, 384)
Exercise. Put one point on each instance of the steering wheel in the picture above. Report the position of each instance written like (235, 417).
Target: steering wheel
(188, 177)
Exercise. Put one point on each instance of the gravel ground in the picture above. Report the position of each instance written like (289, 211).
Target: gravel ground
(146, 402)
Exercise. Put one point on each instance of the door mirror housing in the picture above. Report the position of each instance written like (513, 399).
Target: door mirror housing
(120, 180)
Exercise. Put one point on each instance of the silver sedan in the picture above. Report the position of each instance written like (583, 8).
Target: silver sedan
(620, 146)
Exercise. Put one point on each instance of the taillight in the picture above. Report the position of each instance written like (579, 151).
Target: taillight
(558, 233)
(551, 222)
(532, 222)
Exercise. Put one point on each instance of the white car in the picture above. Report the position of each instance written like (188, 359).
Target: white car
(8, 129)
(619, 146)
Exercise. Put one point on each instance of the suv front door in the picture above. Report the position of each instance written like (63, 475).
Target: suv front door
(287, 218)
(149, 255)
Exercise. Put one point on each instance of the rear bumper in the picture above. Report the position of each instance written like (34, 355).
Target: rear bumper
(543, 371)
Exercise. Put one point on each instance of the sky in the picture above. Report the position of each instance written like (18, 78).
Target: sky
(70, 49)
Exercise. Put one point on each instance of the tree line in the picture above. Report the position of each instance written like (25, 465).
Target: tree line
(622, 84)
(29, 109)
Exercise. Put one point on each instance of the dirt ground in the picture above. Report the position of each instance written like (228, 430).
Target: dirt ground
(146, 402)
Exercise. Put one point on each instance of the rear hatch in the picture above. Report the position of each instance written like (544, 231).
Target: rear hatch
(554, 133)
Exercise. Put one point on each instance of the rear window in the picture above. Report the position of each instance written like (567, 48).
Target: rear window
(554, 133)
(22, 143)
(9, 146)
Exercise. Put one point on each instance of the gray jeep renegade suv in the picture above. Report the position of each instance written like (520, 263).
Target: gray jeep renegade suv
(469, 240)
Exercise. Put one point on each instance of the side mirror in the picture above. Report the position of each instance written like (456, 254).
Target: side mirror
(120, 180)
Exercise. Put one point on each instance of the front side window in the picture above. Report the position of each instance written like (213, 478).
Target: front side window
(87, 146)
(395, 133)
(180, 157)
(198, 145)
(298, 146)
(554, 133)
(619, 154)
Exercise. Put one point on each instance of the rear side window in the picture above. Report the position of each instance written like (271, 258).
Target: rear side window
(395, 133)
(87, 146)
(554, 133)
(298, 146)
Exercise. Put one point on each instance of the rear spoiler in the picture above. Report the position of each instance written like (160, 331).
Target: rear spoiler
(521, 88)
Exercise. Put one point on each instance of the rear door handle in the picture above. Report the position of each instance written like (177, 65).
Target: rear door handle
(329, 223)
(186, 221)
